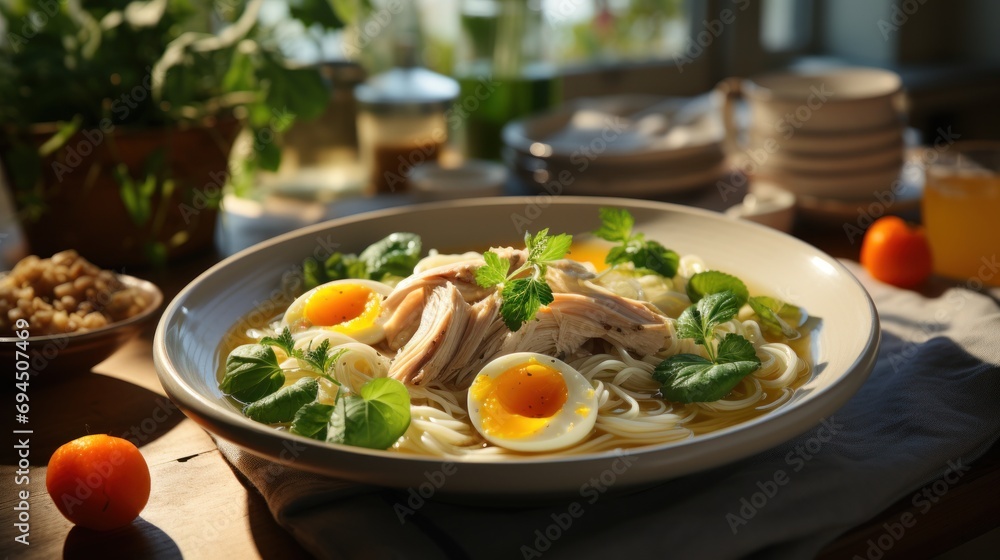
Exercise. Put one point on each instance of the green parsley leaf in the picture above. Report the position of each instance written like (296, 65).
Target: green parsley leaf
(690, 378)
(281, 406)
(375, 418)
(252, 372)
(522, 297)
(776, 316)
(317, 358)
(311, 420)
(283, 341)
(616, 225)
(494, 272)
(555, 249)
(521, 300)
(713, 282)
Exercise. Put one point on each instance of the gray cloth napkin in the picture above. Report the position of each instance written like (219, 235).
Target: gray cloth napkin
(929, 408)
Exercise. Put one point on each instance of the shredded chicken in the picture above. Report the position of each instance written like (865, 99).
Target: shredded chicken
(446, 327)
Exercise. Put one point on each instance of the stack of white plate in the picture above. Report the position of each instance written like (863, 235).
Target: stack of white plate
(634, 145)
(835, 134)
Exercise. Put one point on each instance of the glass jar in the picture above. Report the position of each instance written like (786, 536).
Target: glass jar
(402, 123)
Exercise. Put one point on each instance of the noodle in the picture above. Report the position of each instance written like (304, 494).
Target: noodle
(630, 410)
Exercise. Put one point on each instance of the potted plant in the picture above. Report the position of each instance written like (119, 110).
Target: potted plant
(117, 119)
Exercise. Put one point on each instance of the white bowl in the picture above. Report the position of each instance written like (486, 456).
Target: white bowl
(187, 354)
(845, 99)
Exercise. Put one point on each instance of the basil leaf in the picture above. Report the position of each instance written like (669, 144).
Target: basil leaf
(616, 225)
(700, 319)
(282, 405)
(312, 274)
(688, 378)
(311, 420)
(252, 372)
(340, 266)
(657, 258)
(374, 419)
(713, 282)
(521, 299)
(735, 348)
(283, 341)
(395, 255)
(776, 316)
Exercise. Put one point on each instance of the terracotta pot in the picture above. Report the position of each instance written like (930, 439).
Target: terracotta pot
(83, 207)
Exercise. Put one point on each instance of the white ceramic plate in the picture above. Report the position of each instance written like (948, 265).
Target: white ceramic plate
(186, 347)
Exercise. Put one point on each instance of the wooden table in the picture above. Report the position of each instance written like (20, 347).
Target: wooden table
(199, 508)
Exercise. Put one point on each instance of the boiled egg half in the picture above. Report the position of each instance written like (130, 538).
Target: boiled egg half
(532, 402)
(350, 307)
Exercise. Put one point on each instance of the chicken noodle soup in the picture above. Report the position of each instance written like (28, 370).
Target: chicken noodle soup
(510, 352)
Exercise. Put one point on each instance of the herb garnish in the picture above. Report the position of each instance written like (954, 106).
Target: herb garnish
(395, 255)
(523, 297)
(644, 254)
(691, 378)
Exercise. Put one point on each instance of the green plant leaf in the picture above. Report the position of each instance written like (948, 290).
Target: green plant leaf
(252, 373)
(776, 316)
(522, 298)
(282, 405)
(699, 320)
(493, 272)
(376, 418)
(394, 255)
(735, 348)
(616, 225)
(311, 420)
(713, 282)
(283, 341)
(690, 378)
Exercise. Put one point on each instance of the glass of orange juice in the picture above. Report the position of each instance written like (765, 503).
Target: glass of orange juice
(961, 211)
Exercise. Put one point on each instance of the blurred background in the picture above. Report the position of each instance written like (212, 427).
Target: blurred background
(144, 132)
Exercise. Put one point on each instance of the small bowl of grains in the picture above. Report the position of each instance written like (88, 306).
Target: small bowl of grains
(66, 314)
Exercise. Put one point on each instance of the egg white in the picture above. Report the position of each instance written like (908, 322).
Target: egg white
(572, 423)
(368, 334)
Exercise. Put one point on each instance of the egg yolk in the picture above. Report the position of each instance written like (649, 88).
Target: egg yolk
(343, 306)
(521, 400)
(593, 251)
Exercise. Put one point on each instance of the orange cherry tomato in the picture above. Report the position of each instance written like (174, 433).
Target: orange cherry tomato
(99, 482)
(896, 253)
